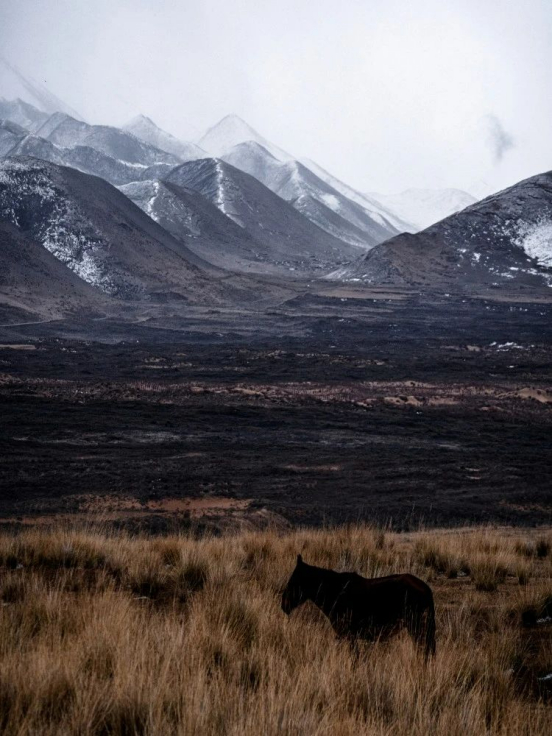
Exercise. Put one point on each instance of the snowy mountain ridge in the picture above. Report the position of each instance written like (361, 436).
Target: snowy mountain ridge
(65, 131)
(317, 200)
(420, 208)
(146, 130)
(280, 238)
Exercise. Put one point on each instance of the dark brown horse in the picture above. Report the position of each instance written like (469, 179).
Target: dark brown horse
(365, 608)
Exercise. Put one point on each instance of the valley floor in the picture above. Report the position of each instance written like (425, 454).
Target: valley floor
(336, 407)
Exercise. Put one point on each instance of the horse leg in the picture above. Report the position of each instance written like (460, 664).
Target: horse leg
(421, 627)
(430, 630)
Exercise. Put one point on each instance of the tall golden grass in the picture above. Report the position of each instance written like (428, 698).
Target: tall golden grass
(102, 633)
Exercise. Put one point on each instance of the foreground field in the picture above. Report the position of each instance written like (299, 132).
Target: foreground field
(103, 633)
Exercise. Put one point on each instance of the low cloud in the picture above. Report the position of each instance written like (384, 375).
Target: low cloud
(499, 140)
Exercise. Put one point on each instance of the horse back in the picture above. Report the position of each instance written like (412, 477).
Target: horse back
(403, 586)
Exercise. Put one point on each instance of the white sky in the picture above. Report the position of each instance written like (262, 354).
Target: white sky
(385, 94)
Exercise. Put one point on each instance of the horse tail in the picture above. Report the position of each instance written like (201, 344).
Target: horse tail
(430, 628)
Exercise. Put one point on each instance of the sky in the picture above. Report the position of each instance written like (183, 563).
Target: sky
(385, 94)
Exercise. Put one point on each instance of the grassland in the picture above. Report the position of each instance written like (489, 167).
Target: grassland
(104, 633)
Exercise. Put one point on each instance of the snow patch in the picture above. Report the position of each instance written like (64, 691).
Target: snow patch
(220, 200)
(536, 241)
(150, 210)
(331, 200)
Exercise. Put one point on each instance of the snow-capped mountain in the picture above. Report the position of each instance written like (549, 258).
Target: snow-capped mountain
(504, 240)
(15, 141)
(21, 113)
(205, 230)
(231, 131)
(99, 234)
(364, 200)
(66, 132)
(289, 241)
(420, 208)
(325, 206)
(255, 159)
(146, 130)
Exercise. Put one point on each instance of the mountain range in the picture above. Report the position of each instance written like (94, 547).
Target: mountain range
(357, 219)
(98, 233)
(355, 222)
(299, 231)
(285, 241)
(188, 214)
(146, 130)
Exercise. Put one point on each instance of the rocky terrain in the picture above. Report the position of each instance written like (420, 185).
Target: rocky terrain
(504, 241)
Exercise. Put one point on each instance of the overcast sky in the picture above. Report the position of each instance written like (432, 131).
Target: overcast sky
(385, 94)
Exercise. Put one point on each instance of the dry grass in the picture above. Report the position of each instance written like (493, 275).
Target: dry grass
(106, 634)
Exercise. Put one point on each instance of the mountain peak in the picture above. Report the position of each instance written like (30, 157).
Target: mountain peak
(252, 147)
(146, 130)
(236, 121)
(233, 130)
(140, 120)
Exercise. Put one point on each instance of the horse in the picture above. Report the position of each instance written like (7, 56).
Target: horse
(365, 608)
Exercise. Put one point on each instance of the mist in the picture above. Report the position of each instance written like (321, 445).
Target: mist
(385, 95)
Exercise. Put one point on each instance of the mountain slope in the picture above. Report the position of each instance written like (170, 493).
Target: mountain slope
(422, 208)
(503, 241)
(369, 203)
(66, 132)
(99, 234)
(33, 145)
(289, 241)
(34, 281)
(10, 135)
(325, 206)
(230, 132)
(146, 130)
(205, 230)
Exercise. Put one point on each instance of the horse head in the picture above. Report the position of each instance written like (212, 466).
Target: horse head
(295, 591)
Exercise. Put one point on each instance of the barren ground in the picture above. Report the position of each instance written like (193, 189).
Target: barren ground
(335, 407)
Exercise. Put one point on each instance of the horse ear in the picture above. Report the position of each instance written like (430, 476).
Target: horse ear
(299, 559)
